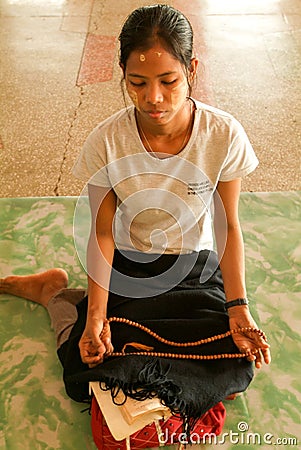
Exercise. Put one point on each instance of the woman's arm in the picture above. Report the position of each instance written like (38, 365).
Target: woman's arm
(229, 239)
(230, 250)
(95, 341)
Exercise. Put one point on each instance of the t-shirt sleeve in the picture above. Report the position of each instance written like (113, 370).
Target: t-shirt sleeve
(241, 159)
(91, 164)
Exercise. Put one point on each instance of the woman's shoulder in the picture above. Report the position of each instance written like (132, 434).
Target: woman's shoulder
(215, 116)
(119, 120)
(205, 107)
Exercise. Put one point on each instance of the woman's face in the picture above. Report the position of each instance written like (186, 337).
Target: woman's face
(157, 84)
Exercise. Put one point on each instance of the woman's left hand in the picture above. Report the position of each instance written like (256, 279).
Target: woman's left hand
(248, 341)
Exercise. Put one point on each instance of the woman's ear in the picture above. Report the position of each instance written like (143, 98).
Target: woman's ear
(193, 68)
(122, 68)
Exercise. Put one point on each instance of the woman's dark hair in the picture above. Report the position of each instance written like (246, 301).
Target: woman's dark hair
(149, 24)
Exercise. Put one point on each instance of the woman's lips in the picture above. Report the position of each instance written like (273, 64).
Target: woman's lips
(155, 114)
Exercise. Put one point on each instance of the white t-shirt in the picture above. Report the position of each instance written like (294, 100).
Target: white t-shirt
(164, 205)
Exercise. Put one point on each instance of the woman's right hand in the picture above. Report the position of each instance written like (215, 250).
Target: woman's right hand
(95, 343)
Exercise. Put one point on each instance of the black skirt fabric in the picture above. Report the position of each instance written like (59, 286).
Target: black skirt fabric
(185, 304)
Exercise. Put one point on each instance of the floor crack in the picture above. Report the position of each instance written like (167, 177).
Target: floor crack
(69, 137)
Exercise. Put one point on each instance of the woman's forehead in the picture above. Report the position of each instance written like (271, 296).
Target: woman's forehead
(155, 58)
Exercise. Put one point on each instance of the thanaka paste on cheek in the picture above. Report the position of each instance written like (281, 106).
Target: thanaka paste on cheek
(178, 95)
(134, 97)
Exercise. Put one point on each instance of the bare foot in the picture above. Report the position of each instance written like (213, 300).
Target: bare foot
(39, 288)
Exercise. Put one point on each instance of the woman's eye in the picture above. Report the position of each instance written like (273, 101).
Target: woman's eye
(137, 84)
(169, 82)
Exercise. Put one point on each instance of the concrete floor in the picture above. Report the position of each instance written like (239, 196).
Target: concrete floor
(60, 77)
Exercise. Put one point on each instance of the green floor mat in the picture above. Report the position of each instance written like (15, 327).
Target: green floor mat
(35, 413)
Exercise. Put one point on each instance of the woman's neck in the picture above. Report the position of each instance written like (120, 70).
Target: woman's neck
(169, 138)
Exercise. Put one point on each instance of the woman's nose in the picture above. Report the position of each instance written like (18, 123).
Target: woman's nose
(154, 94)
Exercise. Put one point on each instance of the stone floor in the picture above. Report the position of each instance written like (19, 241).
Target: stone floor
(60, 77)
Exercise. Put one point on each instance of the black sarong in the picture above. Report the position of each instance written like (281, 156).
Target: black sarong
(185, 304)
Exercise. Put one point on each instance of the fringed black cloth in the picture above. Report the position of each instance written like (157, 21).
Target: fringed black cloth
(191, 308)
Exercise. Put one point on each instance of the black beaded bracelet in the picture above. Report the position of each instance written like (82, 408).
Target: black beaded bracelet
(236, 302)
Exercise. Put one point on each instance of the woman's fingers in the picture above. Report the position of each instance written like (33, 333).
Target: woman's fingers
(257, 353)
(91, 352)
(106, 338)
(258, 359)
(254, 346)
(94, 346)
(266, 355)
(108, 346)
(252, 343)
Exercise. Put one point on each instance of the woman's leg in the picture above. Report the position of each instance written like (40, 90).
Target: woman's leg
(63, 312)
(38, 288)
(49, 289)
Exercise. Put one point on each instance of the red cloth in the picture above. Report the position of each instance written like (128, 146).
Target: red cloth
(210, 423)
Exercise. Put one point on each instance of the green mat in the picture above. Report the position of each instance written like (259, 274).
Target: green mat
(35, 413)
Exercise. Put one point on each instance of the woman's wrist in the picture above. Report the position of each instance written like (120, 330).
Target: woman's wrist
(242, 301)
(95, 319)
(238, 310)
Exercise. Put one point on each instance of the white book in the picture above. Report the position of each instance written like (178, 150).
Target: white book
(130, 417)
